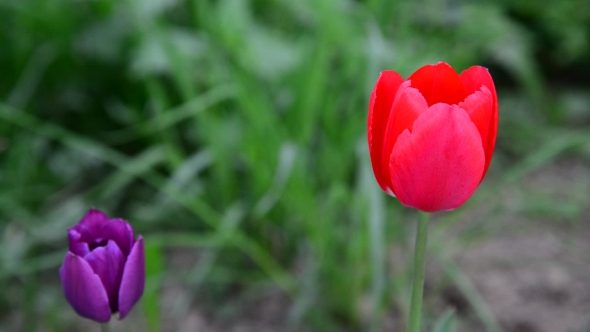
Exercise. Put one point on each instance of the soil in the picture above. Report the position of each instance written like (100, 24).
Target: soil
(530, 263)
(534, 273)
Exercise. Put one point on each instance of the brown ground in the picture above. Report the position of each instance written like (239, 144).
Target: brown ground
(535, 272)
(530, 262)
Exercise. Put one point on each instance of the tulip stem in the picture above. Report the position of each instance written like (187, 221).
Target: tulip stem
(418, 275)
(104, 327)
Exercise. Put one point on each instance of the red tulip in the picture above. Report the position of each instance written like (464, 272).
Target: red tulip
(432, 136)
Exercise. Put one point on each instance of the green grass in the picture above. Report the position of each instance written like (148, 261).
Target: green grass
(236, 129)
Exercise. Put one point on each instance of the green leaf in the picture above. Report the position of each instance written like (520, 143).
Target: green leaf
(446, 322)
(154, 269)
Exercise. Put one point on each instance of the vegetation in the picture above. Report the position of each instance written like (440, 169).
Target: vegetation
(236, 129)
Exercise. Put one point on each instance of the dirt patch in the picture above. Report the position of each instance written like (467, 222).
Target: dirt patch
(531, 283)
(531, 266)
(534, 272)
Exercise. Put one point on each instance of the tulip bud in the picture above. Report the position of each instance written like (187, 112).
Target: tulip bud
(104, 271)
(432, 136)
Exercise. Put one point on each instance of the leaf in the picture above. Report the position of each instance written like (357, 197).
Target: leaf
(154, 270)
(446, 322)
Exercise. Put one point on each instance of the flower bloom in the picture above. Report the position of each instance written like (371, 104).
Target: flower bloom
(104, 271)
(432, 136)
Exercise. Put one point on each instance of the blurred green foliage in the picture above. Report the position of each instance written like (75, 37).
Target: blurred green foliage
(237, 128)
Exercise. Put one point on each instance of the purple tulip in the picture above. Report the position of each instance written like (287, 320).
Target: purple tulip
(104, 271)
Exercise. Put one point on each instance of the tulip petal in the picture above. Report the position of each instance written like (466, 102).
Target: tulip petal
(440, 164)
(76, 245)
(473, 79)
(108, 263)
(480, 107)
(89, 229)
(83, 289)
(121, 232)
(438, 84)
(379, 109)
(133, 281)
(407, 107)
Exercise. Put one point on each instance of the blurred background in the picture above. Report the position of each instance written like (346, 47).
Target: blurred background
(232, 135)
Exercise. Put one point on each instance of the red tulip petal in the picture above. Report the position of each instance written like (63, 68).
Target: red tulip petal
(408, 105)
(473, 79)
(133, 281)
(439, 84)
(84, 290)
(440, 164)
(480, 107)
(379, 107)
(476, 76)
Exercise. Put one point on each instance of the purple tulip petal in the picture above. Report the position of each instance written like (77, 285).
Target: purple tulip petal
(133, 280)
(121, 232)
(90, 227)
(83, 289)
(108, 262)
(76, 245)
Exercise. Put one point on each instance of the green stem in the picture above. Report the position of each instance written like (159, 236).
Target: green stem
(418, 277)
(104, 327)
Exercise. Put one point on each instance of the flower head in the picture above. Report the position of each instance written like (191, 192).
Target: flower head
(104, 271)
(432, 136)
